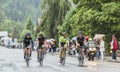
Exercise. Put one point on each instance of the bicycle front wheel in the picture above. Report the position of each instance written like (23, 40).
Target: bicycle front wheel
(27, 60)
(80, 59)
(41, 62)
(41, 59)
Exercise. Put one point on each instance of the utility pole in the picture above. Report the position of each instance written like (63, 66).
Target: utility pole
(14, 28)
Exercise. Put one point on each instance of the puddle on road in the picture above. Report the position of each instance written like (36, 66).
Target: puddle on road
(8, 67)
(76, 65)
(2, 59)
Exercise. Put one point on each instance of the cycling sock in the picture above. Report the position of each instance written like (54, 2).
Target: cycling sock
(30, 55)
(24, 57)
(37, 57)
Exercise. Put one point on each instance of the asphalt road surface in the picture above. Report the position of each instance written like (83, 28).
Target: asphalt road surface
(11, 60)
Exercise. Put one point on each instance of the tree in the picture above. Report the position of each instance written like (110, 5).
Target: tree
(17, 10)
(29, 24)
(2, 16)
(8, 25)
(28, 27)
(14, 13)
(94, 16)
(54, 12)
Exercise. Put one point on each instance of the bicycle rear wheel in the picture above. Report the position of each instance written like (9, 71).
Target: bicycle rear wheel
(41, 58)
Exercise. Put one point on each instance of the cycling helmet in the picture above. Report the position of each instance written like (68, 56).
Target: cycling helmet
(41, 35)
(80, 33)
(28, 34)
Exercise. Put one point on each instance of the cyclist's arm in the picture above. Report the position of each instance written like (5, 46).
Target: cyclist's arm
(60, 41)
(32, 41)
(44, 43)
(60, 44)
(37, 43)
(23, 42)
(67, 42)
(84, 43)
(77, 44)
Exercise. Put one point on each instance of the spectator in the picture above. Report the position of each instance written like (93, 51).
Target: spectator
(102, 48)
(69, 43)
(97, 48)
(114, 47)
(53, 45)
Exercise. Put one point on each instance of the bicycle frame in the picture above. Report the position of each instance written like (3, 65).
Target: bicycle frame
(80, 57)
(27, 56)
(41, 56)
(63, 56)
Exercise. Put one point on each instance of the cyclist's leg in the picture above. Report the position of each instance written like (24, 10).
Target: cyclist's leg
(24, 52)
(45, 50)
(61, 53)
(64, 52)
(38, 52)
(61, 49)
(30, 51)
(83, 50)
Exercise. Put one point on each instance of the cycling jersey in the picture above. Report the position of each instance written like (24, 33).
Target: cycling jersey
(62, 41)
(27, 41)
(41, 41)
(80, 41)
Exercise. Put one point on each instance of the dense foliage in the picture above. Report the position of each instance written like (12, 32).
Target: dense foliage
(90, 16)
(93, 17)
(54, 12)
(18, 10)
(16, 13)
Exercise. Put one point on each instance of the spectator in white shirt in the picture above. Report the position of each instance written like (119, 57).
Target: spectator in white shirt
(102, 48)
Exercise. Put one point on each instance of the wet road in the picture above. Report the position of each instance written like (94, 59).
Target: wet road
(11, 60)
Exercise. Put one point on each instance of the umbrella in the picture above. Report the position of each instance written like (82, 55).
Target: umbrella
(74, 38)
(5, 38)
(52, 39)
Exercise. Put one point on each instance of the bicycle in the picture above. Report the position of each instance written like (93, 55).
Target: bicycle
(41, 56)
(27, 56)
(80, 57)
(63, 57)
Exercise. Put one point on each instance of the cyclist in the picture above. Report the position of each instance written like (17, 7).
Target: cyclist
(41, 40)
(80, 41)
(62, 43)
(27, 42)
